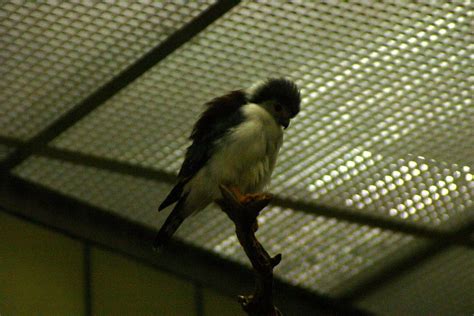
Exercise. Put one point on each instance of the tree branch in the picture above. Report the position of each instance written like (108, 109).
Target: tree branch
(243, 211)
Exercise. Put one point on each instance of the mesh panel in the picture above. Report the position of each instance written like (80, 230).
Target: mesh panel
(320, 254)
(56, 53)
(415, 189)
(442, 286)
(387, 118)
(129, 197)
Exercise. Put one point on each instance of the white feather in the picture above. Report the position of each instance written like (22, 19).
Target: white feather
(245, 158)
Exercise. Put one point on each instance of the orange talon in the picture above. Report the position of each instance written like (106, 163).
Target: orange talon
(250, 198)
(238, 194)
(247, 198)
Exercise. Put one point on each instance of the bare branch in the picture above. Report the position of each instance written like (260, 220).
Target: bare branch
(243, 211)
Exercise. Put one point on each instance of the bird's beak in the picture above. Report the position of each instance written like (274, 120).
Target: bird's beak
(284, 121)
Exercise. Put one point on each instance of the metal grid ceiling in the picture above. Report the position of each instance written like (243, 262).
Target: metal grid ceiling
(129, 197)
(386, 125)
(420, 293)
(321, 254)
(54, 54)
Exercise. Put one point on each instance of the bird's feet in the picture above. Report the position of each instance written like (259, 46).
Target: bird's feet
(240, 197)
(250, 200)
(247, 198)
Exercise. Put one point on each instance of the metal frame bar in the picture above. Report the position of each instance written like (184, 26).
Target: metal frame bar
(96, 226)
(10, 141)
(87, 279)
(199, 299)
(127, 76)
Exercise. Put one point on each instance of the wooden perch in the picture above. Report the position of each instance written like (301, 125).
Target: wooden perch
(243, 211)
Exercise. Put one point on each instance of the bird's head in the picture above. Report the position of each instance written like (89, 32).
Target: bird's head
(280, 97)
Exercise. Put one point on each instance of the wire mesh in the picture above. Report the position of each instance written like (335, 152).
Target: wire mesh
(320, 254)
(387, 119)
(131, 198)
(54, 54)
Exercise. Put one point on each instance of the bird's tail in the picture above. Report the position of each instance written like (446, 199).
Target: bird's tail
(170, 226)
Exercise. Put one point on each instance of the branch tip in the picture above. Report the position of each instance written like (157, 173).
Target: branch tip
(276, 260)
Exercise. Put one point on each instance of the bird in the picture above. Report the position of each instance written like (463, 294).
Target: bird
(235, 143)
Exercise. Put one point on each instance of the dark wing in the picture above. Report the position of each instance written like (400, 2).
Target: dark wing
(221, 114)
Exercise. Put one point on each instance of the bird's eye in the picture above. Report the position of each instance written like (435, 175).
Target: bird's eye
(278, 107)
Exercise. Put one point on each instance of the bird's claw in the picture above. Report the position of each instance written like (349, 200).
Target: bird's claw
(249, 198)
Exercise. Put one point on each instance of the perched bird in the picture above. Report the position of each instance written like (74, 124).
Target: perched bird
(235, 143)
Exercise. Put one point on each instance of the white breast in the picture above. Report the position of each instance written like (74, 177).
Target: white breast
(247, 157)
